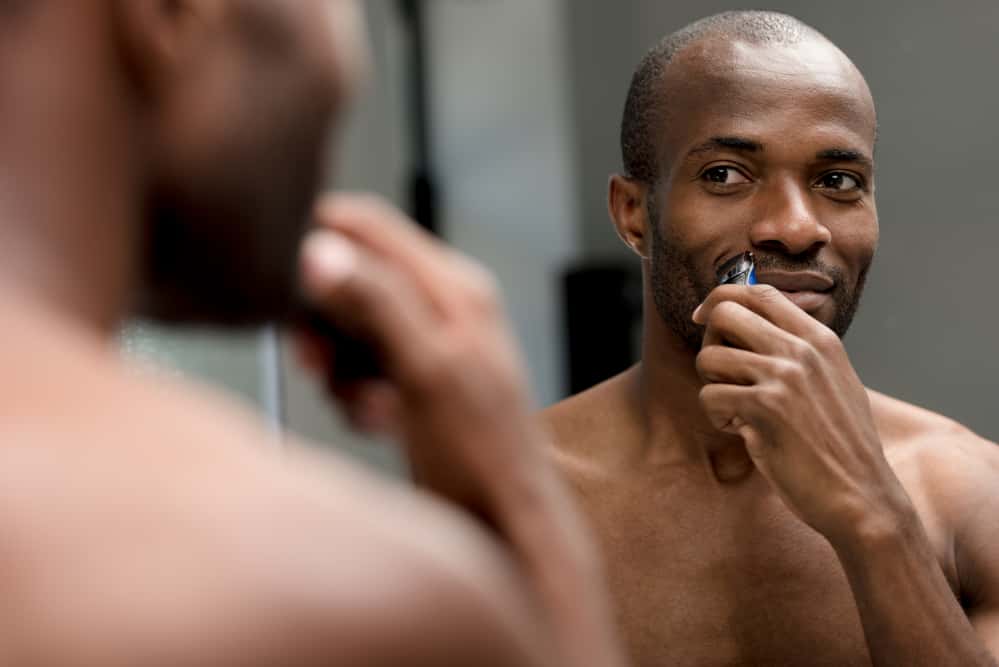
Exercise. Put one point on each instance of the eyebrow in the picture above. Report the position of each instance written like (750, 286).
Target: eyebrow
(745, 145)
(726, 143)
(844, 155)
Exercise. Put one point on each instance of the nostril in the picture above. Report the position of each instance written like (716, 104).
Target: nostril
(773, 245)
(789, 240)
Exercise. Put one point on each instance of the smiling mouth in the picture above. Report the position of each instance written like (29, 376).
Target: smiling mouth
(807, 300)
(805, 289)
(796, 281)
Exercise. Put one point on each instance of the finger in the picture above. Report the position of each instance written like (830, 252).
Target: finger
(373, 301)
(764, 300)
(720, 403)
(730, 407)
(731, 323)
(387, 233)
(311, 352)
(728, 365)
(371, 406)
(756, 446)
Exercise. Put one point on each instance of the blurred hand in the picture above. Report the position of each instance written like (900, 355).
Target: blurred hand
(454, 388)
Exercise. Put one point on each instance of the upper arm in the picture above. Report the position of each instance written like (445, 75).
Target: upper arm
(976, 541)
(977, 552)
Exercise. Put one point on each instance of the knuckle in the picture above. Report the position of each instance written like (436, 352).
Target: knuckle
(788, 372)
(826, 340)
(383, 211)
(438, 368)
(811, 358)
(367, 295)
(703, 360)
(730, 292)
(351, 295)
(703, 367)
(481, 288)
(773, 399)
(717, 411)
(707, 396)
(723, 313)
(800, 349)
(354, 210)
(335, 203)
(372, 202)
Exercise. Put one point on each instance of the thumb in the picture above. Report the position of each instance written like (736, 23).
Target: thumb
(756, 445)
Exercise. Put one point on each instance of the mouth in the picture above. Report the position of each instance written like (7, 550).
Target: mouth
(805, 289)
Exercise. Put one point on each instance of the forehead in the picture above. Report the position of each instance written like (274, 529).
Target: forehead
(796, 95)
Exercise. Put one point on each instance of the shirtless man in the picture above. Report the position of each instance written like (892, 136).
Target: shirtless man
(757, 505)
(163, 152)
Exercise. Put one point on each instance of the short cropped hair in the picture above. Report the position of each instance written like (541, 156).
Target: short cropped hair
(646, 100)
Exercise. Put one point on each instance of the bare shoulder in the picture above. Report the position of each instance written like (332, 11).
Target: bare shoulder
(951, 467)
(157, 519)
(406, 580)
(581, 425)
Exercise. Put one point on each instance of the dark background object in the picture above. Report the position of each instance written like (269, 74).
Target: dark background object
(422, 180)
(603, 310)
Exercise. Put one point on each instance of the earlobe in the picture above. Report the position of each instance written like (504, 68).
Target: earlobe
(628, 211)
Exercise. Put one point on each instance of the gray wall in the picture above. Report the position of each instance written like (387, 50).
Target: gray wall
(504, 148)
(926, 332)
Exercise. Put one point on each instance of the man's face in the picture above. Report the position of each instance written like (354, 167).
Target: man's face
(238, 147)
(769, 149)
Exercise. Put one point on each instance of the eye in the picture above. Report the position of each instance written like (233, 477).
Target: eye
(723, 176)
(840, 182)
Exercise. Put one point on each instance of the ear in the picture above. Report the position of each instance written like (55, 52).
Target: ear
(627, 201)
(158, 38)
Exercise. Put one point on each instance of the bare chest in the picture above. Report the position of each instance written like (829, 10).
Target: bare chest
(702, 582)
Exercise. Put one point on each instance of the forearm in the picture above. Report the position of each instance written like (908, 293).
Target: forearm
(909, 613)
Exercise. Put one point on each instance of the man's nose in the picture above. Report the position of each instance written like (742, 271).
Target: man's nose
(789, 223)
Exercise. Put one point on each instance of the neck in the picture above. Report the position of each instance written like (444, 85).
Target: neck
(67, 183)
(677, 430)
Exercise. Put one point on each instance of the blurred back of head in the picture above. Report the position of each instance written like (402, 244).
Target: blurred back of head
(224, 109)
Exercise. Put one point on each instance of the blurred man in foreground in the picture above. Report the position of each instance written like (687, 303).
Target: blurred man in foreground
(164, 154)
(759, 506)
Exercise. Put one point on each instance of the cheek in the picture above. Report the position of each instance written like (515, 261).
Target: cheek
(682, 249)
(707, 229)
(856, 242)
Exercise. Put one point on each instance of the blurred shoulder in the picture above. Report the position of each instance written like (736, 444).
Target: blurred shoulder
(175, 498)
(401, 578)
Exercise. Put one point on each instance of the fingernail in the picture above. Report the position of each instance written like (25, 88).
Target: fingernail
(328, 259)
(697, 312)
